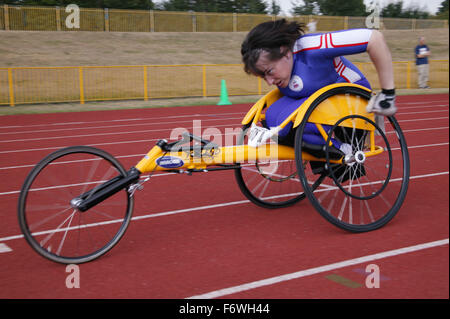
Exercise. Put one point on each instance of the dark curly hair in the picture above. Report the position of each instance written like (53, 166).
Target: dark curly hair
(270, 37)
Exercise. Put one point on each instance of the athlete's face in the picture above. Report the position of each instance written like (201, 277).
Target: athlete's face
(276, 72)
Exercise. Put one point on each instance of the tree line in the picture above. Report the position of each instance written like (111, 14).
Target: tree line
(238, 6)
(394, 9)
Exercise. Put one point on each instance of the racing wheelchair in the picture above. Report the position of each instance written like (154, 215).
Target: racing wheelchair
(77, 202)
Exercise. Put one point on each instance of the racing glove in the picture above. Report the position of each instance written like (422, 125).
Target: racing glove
(383, 103)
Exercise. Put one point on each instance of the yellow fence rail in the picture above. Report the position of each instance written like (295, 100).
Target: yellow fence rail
(57, 19)
(31, 85)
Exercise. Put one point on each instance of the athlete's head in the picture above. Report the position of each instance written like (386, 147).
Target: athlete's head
(267, 50)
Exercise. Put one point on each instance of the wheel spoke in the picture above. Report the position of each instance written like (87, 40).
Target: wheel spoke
(57, 229)
(49, 222)
(58, 252)
(367, 191)
(270, 183)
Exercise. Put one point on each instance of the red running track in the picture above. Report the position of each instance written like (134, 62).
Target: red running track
(213, 243)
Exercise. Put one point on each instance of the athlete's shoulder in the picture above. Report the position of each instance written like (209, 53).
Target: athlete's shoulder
(308, 42)
(336, 39)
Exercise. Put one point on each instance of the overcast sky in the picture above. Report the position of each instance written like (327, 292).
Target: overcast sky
(430, 5)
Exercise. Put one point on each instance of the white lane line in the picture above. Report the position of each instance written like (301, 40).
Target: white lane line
(157, 139)
(148, 131)
(97, 144)
(427, 119)
(24, 166)
(318, 270)
(4, 248)
(124, 125)
(422, 146)
(420, 106)
(428, 175)
(65, 124)
(122, 131)
(173, 212)
(141, 155)
(193, 209)
(425, 102)
(193, 118)
(401, 104)
(423, 129)
(426, 112)
(236, 128)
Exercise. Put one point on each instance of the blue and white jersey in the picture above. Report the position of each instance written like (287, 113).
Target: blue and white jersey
(318, 61)
(421, 49)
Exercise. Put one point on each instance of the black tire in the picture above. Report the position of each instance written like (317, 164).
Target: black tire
(269, 184)
(359, 196)
(56, 230)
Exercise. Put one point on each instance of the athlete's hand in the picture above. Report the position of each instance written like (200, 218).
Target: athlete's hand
(383, 103)
(259, 135)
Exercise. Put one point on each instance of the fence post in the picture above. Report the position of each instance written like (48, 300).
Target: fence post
(145, 84)
(58, 18)
(106, 13)
(152, 21)
(204, 79)
(448, 80)
(6, 14)
(408, 75)
(345, 22)
(194, 22)
(80, 79)
(11, 87)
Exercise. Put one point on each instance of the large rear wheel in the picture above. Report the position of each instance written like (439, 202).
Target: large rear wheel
(365, 192)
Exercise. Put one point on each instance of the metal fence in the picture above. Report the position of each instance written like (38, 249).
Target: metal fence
(31, 85)
(56, 18)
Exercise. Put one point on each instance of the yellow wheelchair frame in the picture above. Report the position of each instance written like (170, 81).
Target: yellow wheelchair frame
(325, 114)
(339, 187)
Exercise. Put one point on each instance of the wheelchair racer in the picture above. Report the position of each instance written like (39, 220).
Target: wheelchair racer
(299, 64)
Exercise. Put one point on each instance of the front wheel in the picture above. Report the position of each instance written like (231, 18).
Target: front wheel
(50, 222)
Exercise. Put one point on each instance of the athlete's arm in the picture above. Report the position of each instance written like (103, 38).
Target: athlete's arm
(381, 57)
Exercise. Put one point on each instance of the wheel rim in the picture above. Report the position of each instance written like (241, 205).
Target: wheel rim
(361, 212)
(270, 183)
(52, 226)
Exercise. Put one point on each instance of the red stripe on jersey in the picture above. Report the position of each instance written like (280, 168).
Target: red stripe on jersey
(311, 48)
(334, 62)
(345, 45)
(345, 78)
(341, 72)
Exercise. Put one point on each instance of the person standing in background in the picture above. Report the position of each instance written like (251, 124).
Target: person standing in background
(423, 68)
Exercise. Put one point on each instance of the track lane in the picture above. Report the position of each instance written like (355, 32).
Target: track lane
(180, 255)
(167, 257)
